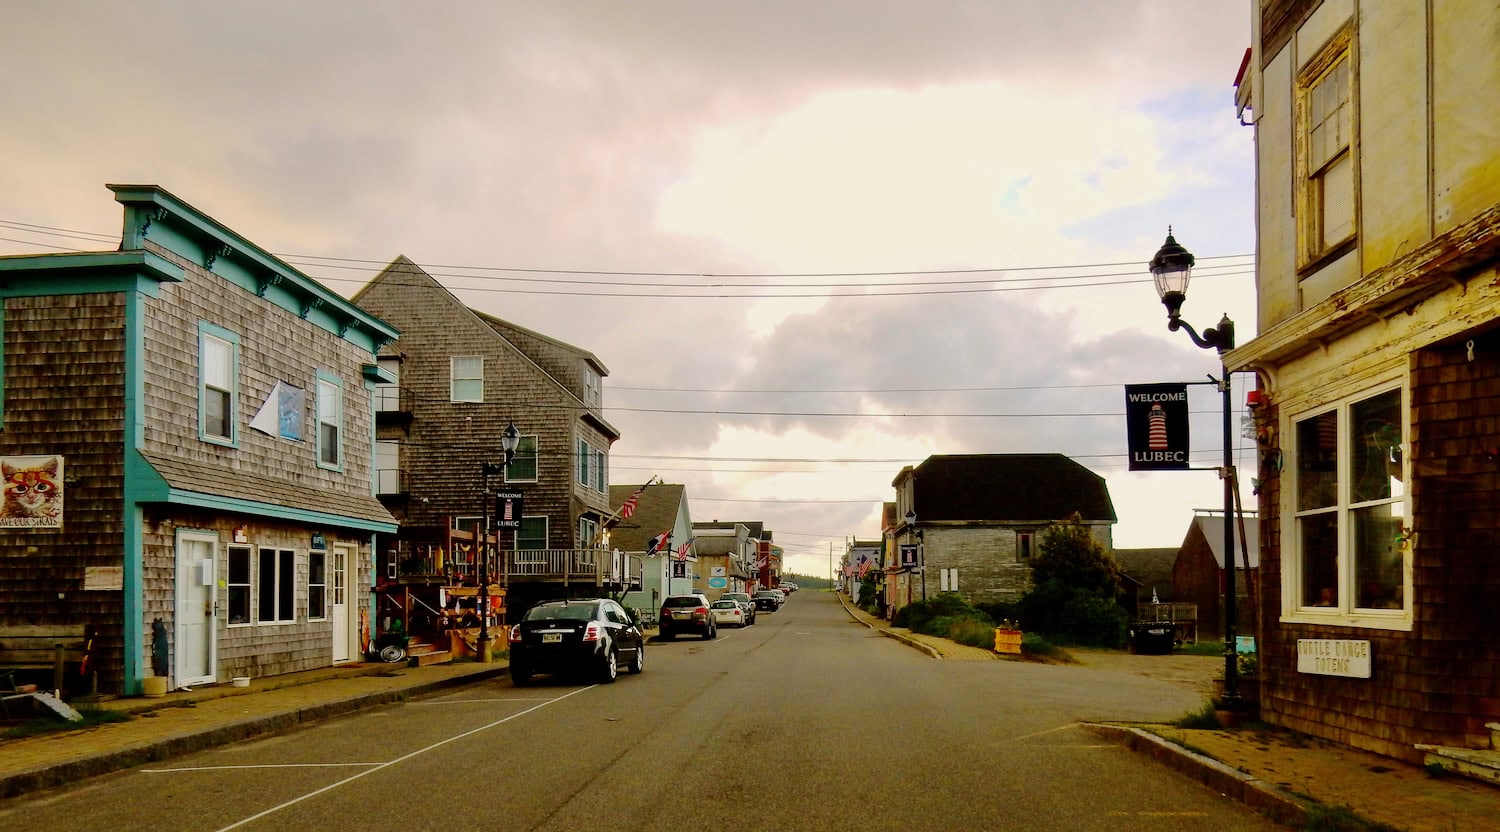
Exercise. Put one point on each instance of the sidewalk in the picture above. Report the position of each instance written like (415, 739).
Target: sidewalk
(1290, 777)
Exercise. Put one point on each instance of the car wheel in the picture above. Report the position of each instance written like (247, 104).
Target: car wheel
(666, 636)
(638, 663)
(713, 632)
(519, 676)
(611, 667)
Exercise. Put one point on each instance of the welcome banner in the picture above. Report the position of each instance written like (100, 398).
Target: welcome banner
(1156, 426)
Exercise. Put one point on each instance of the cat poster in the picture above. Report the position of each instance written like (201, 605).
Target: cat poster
(31, 492)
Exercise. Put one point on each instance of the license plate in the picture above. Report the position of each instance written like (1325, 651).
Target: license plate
(548, 638)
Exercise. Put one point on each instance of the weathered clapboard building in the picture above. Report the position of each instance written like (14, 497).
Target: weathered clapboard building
(186, 448)
(459, 378)
(1378, 187)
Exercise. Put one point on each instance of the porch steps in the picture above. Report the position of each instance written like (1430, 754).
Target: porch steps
(1478, 764)
(421, 654)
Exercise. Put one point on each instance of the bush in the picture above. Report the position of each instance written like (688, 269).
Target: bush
(972, 631)
(1074, 616)
(927, 616)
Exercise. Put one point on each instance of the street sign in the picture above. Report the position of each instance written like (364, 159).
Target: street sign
(1156, 426)
(508, 508)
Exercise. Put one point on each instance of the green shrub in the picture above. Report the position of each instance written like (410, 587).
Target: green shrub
(1074, 616)
(973, 632)
(1203, 718)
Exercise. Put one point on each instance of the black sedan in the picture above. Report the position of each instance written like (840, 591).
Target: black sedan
(592, 637)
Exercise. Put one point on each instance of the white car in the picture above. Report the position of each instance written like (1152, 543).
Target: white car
(728, 611)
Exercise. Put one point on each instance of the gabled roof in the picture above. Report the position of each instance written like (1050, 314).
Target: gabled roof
(1026, 488)
(1211, 526)
(655, 512)
(757, 527)
(1151, 567)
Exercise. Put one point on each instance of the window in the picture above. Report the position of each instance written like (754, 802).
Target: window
(239, 585)
(601, 472)
(585, 456)
(388, 479)
(592, 387)
(1350, 510)
(317, 585)
(330, 418)
(276, 585)
(532, 534)
(948, 580)
(522, 466)
(218, 383)
(588, 530)
(1325, 128)
(1023, 546)
(467, 374)
(466, 524)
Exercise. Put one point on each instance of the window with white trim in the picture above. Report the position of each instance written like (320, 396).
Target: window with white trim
(601, 472)
(276, 586)
(1349, 510)
(582, 463)
(330, 419)
(317, 585)
(466, 373)
(533, 533)
(218, 383)
(593, 385)
(522, 467)
(1325, 113)
(588, 530)
(239, 585)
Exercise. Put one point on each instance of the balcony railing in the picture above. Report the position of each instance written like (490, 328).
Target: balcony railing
(389, 481)
(458, 566)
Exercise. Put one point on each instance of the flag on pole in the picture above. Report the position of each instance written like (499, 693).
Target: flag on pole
(659, 543)
(683, 549)
(627, 508)
(864, 566)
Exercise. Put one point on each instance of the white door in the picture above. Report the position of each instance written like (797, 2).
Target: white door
(338, 599)
(197, 609)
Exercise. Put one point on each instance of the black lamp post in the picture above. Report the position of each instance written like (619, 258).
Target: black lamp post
(510, 438)
(1171, 268)
(911, 528)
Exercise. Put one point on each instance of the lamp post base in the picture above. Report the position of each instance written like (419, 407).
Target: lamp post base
(486, 650)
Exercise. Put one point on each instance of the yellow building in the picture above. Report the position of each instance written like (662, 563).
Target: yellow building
(1377, 129)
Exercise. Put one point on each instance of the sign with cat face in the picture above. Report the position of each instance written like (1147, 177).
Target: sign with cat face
(31, 492)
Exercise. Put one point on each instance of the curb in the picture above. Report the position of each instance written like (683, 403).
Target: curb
(1264, 798)
(49, 776)
(909, 642)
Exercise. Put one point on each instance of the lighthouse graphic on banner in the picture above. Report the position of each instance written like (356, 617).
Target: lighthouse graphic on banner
(1156, 424)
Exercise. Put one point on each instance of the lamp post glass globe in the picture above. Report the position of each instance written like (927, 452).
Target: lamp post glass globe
(1171, 269)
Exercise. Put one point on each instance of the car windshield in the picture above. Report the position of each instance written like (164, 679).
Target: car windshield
(562, 612)
(683, 601)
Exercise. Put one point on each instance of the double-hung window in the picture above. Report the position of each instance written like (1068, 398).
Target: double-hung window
(317, 585)
(239, 585)
(533, 533)
(584, 463)
(601, 471)
(218, 383)
(588, 532)
(330, 419)
(592, 387)
(276, 586)
(467, 378)
(1349, 512)
(522, 467)
(1325, 112)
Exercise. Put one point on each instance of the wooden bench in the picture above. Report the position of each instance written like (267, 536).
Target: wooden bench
(40, 647)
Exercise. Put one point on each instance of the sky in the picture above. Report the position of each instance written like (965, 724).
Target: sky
(814, 241)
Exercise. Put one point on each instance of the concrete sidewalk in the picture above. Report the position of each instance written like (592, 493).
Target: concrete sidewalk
(1295, 779)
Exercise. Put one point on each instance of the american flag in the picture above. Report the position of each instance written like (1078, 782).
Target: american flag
(659, 543)
(864, 566)
(627, 508)
(683, 549)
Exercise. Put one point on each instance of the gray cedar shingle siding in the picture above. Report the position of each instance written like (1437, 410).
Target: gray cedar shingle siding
(64, 394)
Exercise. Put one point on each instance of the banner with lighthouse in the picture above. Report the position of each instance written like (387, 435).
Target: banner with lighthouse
(1156, 424)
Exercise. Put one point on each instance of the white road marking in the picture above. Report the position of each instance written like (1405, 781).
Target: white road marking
(403, 758)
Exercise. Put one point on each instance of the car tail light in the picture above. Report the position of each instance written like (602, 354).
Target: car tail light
(702, 612)
(592, 632)
(515, 634)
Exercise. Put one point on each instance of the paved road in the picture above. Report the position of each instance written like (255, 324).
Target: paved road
(804, 721)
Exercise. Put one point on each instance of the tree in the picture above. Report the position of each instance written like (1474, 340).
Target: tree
(1069, 554)
(1075, 583)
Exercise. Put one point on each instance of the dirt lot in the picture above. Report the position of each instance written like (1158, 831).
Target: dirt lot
(1195, 673)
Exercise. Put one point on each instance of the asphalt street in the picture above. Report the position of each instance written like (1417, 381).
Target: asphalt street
(804, 721)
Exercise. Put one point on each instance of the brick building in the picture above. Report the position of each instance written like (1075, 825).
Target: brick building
(1378, 188)
(204, 409)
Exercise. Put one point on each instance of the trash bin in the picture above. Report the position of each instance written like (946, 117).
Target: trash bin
(1152, 638)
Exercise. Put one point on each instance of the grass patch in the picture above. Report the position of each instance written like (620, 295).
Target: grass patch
(1340, 819)
(1202, 719)
(48, 725)
(1037, 648)
(1201, 648)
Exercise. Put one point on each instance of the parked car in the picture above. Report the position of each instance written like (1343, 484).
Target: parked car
(787, 587)
(769, 599)
(728, 612)
(589, 637)
(746, 603)
(686, 614)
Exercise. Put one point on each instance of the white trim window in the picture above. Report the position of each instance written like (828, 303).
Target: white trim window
(466, 378)
(239, 586)
(533, 532)
(584, 456)
(1348, 536)
(588, 532)
(317, 585)
(593, 385)
(217, 384)
(522, 467)
(277, 586)
(1325, 113)
(330, 421)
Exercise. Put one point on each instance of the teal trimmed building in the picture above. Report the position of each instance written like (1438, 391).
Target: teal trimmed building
(196, 415)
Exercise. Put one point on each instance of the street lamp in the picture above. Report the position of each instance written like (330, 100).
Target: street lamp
(911, 528)
(1171, 268)
(510, 438)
